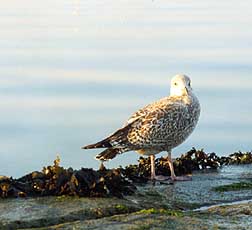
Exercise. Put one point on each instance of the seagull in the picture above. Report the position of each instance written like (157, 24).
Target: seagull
(159, 126)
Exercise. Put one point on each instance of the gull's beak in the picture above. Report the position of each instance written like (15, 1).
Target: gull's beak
(186, 91)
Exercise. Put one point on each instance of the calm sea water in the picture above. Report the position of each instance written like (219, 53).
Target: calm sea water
(73, 71)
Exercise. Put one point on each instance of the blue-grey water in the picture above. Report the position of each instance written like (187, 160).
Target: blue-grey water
(73, 71)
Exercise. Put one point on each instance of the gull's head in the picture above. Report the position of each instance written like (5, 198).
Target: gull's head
(180, 85)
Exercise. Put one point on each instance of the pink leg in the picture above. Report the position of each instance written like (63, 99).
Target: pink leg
(153, 173)
(173, 176)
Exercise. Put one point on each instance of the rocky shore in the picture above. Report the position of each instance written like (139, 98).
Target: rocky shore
(56, 180)
(218, 197)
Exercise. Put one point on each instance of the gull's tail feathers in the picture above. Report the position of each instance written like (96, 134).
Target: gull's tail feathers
(110, 153)
(101, 144)
(118, 139)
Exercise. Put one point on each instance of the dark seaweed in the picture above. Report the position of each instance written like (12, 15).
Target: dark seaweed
(56, 180)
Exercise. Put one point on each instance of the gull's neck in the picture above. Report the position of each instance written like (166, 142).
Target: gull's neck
(187, 96)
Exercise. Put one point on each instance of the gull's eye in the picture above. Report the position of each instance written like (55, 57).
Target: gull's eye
(175, 83)
(189, 84)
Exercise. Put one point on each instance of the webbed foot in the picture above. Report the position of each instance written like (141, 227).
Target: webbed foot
(160, 178)
(181, 178)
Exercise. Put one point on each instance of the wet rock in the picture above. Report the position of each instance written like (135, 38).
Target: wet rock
(46, 211)
(226, 217)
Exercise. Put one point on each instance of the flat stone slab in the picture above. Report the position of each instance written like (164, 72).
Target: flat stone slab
(112, 213)
(46, 211)
(225, 217)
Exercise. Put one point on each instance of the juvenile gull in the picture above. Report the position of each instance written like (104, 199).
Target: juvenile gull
(159, 126)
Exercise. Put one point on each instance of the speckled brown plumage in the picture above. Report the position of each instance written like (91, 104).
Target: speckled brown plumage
(160, 126)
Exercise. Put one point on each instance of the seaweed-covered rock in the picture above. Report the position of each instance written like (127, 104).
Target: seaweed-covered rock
(191, 161)
(101, 183)
(240, 158)
(187, 163)
(55, 180)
